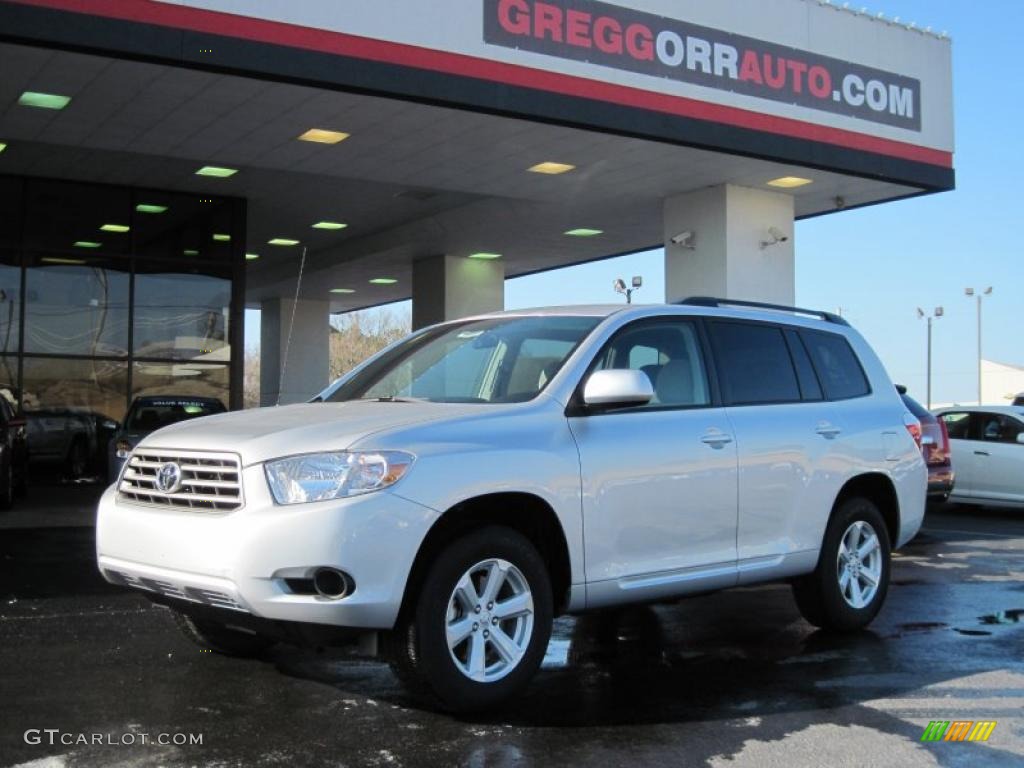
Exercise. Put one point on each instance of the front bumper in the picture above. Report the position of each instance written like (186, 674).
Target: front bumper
(239, 561)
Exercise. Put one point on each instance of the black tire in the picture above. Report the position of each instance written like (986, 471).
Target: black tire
(213, 636)
(418, 650)
(7, 486)
(819, 595)
(21, 484)
(77, 459)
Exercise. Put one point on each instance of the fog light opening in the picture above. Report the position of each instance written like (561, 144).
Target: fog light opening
(331, 583)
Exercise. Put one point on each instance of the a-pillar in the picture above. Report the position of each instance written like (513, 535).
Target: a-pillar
(730, 242)
(450, 287)
(307, 367)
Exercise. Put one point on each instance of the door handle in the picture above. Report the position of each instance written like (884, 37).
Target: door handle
(981, 453)
(827, 430)
(716, 439)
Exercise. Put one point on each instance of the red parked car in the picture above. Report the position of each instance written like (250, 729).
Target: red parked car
(934, 447)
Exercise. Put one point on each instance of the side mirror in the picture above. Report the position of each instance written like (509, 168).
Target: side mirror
(608, 389)
(1020, 438)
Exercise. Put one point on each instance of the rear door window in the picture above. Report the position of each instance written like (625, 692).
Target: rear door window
(837, 365)
(754, 364)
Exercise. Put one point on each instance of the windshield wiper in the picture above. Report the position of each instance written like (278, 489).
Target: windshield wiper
(393, 399)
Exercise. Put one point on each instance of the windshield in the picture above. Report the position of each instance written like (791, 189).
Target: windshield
(496, 360)
(152, 415)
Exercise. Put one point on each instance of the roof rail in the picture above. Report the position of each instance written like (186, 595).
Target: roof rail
(710, 301)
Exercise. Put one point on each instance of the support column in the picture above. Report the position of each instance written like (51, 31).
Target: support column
(731, 252)
(450, 287)
(308, 367)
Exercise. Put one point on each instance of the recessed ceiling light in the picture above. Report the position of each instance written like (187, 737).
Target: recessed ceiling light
(2, 146)
(485, 256)
(221, 238)
(789, 182)
(119, 228)
(251, 256)
(383, 281)
(584, 232)
(551, 169)
(87, 244)
(342, 290)
(333, 225)
(150, 208)
(282, 241)
(55, 260)
(43, 100)
(216, 171)
(322, 136)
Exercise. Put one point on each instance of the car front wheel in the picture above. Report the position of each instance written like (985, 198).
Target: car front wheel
(480, 625)
(847, 589)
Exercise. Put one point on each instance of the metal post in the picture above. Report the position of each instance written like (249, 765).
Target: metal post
(929, 363)
(979, 347)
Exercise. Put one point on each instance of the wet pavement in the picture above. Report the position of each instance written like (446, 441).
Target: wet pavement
(733, 679)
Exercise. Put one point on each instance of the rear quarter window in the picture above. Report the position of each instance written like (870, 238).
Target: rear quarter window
(837, 365)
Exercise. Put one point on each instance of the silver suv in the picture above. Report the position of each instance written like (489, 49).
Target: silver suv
(457, 491)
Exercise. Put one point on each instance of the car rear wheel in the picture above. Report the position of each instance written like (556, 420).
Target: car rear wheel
(77, 459)
(7, 486)
(480, 624)
(847, 589)
(215, 636)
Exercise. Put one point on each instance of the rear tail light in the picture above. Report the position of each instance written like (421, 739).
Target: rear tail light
(913, 427)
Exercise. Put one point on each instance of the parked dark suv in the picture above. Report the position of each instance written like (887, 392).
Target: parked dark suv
(934, 448)
(13, 454)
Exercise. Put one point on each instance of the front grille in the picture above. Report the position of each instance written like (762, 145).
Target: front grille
(209, 597)
(210, 482)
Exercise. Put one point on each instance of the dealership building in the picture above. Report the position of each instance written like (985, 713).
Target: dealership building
(165, 165)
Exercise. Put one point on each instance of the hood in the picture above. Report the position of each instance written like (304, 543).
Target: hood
(260, 434)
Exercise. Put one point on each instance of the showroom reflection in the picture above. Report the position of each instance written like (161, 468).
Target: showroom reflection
(108, 294)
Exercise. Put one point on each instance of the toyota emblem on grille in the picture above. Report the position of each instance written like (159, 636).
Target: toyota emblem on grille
(168, 477)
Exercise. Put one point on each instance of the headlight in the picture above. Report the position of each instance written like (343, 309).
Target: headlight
(123, 449)
(324, 476)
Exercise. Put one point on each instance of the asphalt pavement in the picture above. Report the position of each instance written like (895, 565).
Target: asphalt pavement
(732, 679)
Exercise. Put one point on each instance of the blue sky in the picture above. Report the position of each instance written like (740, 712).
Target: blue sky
(878, 264)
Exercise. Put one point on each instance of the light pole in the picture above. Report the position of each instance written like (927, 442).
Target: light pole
(620, 287)
(921, 314)
(980, 294)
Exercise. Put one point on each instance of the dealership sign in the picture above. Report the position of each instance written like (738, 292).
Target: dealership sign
(647, 44)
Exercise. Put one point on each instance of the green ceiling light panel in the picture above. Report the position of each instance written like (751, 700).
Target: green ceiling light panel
(251, 256)
(118, 228)
(87, 244)
(383, 281)
(485, 256)
(63, 262)
(43, 100)
(342, 290)
(150, 208)
(282, 241)
(2, 146)
(216, 171)
(331, 225)
(584, 232)
(190, 252)
(222, 238)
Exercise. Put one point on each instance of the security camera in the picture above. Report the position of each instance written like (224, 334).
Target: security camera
(684, 239)
(775, 236)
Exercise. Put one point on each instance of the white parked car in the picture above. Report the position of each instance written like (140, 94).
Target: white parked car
(457, 491)
(988, 454)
